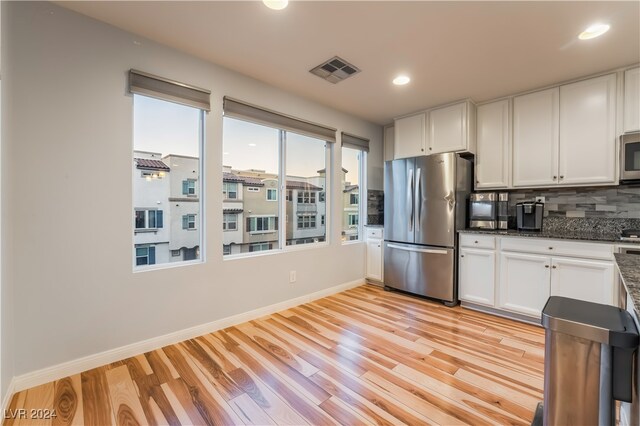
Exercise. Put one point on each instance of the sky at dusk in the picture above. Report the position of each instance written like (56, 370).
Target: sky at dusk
(170, 128)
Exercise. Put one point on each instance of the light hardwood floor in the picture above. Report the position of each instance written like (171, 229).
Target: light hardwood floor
(364, 356)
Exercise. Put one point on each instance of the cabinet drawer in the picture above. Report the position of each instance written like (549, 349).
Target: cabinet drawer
(478, 241)
(557, 248)
(373, 233)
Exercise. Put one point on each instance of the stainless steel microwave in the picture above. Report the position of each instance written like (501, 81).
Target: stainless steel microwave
(630, 157)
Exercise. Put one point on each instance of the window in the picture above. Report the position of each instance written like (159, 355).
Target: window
(145, 255)
(189, 221)
(167, 147)
(306, 197)
(255, 154)
(322, 220)
(306, 221)
(230, 222)
(262, 224)
(354, 176)
(260, 247)
(189, 187)
(148, 219)
(321, 196)
(253, 189)
(226, 249)
(230, 190)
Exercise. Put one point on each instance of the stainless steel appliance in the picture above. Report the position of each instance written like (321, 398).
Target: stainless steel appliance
(630, 157)
(503, 210)
(529, 215)
(588, 361)
(425, 203)
(630, 235)
(483, 210)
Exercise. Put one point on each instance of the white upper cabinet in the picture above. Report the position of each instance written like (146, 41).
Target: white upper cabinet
(409, 138)
(493, 145)
(588, 131)
(450, 128)
(632, 100)
(389, 137)
(536, 138)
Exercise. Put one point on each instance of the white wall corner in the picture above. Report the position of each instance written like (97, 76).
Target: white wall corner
(69, 368)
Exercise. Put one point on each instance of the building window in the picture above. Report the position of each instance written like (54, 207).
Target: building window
(230, 222)
(306, 221)
(260, 247)
(321, 196)
(253, 189)
(262, 224)
(189, 221)
(306, 197)
(289, 195)
(354, 175)
(229, 190)
(226, 249)
(148, 219)
(272, 194)
(322, 220)
(189, 187)
(166, 175)
(145, 255)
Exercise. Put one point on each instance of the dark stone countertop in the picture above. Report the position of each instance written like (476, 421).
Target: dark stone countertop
(558, 234)
(629, 267)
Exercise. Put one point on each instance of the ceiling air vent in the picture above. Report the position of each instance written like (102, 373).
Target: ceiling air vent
(335, 70)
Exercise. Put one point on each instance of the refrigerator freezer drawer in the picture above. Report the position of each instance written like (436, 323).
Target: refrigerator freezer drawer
(424, 270)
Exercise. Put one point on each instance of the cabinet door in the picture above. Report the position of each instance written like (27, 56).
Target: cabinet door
(588, 280)
(588, 131)
(492, 156)
(476, 276)
(524, 283)
(374, 259)
(632, 100)
(409, 136)
(448, 129)
(535, 138)
(389, 136)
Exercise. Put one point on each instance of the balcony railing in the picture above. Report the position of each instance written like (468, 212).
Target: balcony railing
(307, 208)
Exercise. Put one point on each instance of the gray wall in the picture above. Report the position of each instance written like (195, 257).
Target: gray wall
(70, 150)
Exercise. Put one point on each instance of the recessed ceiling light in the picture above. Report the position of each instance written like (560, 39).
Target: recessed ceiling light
(401, 80)
(594, 31)
(276, 4)
(252, 144)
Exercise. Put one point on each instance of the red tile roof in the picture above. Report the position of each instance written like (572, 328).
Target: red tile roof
(230, 177)
(232, 210)
(145, 164)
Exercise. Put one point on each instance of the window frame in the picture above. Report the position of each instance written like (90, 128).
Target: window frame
(225, 190)
(146, 213)
(226, 222)
(271, 191)
(191, 184)
(362, 191)
(189, 221)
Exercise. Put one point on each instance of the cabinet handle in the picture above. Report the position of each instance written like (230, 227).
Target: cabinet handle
(422, 149)
(379, 247)
(462, 255)
(561, 177)
(555, 177)
(430, 149)
(550, 248)
(554, 266)
(546, 266)
(476, 242)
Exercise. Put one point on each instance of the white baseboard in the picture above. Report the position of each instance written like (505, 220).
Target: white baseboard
(69, 368)
(11, 389)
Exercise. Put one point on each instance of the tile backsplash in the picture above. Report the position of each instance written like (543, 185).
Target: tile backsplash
(622, 202)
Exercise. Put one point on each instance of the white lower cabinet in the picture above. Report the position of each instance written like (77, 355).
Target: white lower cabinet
(520, 274)
(524, 283)
(477, 278)
(374, 262)
(588, 280)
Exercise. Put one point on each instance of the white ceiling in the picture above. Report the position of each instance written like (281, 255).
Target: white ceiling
(451, 50)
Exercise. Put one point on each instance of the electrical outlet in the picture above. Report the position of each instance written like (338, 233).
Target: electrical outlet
(540, 199)
(292, 276)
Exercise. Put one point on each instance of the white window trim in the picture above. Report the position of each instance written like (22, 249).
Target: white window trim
(268, 191)
(362, 187)
(264, 231)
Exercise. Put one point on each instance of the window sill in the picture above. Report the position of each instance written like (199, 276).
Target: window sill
(262, 232)
(167, 265)
(287, 249)
(146, 230)
(352, 242)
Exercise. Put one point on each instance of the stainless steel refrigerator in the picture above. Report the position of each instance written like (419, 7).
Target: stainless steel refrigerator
(425, 203)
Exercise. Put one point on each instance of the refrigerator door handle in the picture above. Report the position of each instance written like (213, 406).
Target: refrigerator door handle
(418, 198)
(419, 250)
(410, 198)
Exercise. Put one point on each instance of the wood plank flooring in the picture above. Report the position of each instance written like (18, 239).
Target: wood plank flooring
(364, 356)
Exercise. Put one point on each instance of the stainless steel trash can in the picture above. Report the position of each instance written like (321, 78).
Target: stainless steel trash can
(589, 350)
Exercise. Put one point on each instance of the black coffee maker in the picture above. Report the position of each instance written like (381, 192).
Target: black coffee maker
(529, 215)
